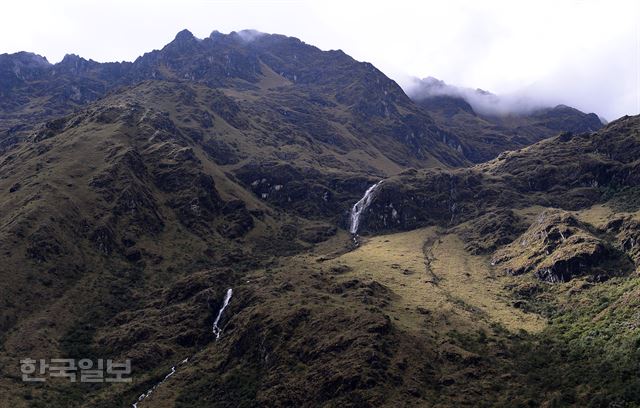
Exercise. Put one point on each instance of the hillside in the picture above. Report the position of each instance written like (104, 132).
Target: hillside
(451, 312)
(328, 94)
(487, 132)
(134, 196)
(180, 185)
(557, 223)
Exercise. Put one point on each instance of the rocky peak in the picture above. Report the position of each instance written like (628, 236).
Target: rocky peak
(184, 36)
(215, 34)
(74, 64)
(184, 42)
(71, 60)
(24, 58)
(248, 35)
(566, 118)
(446, 104)
(19, 67)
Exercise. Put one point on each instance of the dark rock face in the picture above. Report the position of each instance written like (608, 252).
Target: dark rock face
(447, 105)
(627, 233)
(104, 239)
(486, 233)
(569, 174)
(305, 191)
(237, 220)
(16, 69)
(441, 198)
(485, 136)
(322, 80)
(567, 119)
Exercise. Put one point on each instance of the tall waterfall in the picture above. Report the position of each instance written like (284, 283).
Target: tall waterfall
(359, 207)
(216, 329)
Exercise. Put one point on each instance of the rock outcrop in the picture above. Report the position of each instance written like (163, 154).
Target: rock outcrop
(557, 247)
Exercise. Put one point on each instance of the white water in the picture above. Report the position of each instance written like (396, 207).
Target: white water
(217, 330)
(152, 389)
(359, 207)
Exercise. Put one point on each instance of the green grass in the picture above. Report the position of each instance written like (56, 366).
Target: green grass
(623, 198)
(589, 355)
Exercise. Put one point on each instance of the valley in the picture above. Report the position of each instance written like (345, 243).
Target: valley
(428, 302)
(263, 223)
(429, 273)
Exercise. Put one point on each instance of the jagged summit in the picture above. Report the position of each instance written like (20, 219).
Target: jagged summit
(246, 35)
(184, 35)
(26, 57)
(243, 61)
(141, 200)
(184, 41)
(71, 58)
(73, 61)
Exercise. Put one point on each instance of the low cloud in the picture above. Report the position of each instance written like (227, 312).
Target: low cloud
(482, 102)
(249, 35)
(526, 101)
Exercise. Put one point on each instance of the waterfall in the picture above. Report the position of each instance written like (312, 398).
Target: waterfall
(152, 389)
(359, 207)
(217, 330)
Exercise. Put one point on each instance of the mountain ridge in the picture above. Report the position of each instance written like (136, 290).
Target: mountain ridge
(236, 60)
(138, 194)
(489, 123)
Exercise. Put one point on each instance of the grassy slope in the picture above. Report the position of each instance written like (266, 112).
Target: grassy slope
(410, 318)
(459, 333)
(98, 221)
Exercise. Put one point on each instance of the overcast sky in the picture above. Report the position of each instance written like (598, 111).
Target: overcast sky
(584, 53)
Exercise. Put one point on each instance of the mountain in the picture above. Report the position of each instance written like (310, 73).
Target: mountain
(489, 124)
(556, 224)
(177, 176)
(329, 94)
(188, 211)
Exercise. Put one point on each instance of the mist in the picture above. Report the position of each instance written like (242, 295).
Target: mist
(482, 101)
(581, 53)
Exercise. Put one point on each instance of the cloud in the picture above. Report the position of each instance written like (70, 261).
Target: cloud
(583, 53)
(249, 35)
(482, 102)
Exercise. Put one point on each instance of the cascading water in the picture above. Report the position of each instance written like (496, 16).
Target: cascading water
(216, 329)
(359, 207)
(142, 397)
